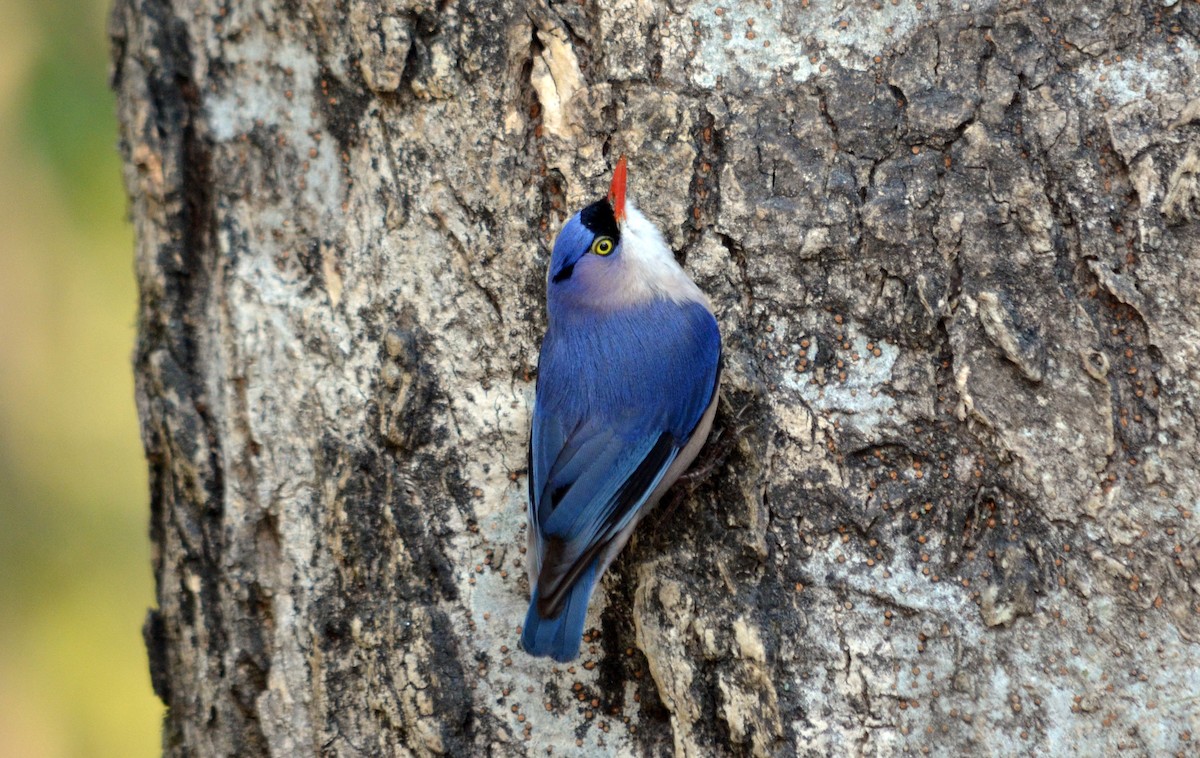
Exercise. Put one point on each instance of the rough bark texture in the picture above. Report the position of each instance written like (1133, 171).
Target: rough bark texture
(955, 252)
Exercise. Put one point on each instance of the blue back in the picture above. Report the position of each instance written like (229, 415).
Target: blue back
(619, 394)
(657, 360)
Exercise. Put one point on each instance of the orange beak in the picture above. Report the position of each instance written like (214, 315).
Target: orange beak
(616, 193)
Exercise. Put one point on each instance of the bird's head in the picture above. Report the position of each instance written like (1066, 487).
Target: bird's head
(609, 256)
(590, 243)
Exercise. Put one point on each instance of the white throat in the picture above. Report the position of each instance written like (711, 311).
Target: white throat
(647, 269)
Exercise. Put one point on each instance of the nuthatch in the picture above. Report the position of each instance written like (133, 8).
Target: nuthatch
(626, 393)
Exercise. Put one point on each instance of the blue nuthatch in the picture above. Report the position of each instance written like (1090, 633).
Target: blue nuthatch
(626, 393)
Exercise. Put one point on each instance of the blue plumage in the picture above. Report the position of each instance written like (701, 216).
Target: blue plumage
(559, 637)
(626, 380)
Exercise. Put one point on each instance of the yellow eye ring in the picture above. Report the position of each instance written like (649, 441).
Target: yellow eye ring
(602, 246)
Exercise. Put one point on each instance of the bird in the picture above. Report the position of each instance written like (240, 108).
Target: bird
(627, 386)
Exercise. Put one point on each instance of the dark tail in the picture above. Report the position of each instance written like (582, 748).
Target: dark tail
(559, 637)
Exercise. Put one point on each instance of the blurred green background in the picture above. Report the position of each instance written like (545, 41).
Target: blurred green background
(75, 576)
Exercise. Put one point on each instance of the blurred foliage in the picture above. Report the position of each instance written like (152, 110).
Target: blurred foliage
(75, 576)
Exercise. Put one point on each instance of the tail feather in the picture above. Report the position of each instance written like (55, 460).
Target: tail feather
(559, 637)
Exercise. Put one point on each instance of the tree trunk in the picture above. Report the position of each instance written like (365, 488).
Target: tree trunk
(953, 251)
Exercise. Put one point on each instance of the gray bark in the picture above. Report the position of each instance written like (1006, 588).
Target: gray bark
(953, 248)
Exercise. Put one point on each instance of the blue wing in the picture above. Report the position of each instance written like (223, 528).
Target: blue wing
(618, 397)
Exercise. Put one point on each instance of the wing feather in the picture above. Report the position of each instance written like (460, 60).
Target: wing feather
(607, 425)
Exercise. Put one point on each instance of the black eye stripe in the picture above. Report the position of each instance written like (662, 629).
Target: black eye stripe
(564, 273)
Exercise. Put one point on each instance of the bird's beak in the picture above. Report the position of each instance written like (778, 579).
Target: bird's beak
(616, 193)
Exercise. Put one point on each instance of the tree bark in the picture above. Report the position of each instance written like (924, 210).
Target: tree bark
(953, 251)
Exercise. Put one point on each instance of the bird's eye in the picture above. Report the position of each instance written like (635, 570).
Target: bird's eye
(602, 246)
